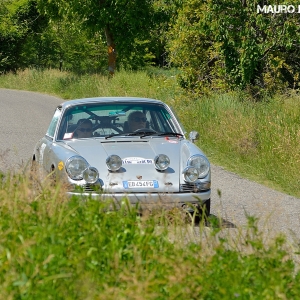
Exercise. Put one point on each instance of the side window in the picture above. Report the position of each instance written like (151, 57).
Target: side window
(52, 126)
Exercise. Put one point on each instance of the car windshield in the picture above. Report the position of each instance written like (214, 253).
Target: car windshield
(110, 119)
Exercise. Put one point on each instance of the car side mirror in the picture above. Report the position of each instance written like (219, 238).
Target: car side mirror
(193, 136)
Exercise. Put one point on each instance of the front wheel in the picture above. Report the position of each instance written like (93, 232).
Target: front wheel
(202, 213)
(205, 209)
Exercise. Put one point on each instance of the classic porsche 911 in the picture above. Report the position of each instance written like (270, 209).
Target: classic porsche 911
(120, 147)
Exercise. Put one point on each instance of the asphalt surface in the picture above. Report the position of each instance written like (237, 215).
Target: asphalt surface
(25, 117)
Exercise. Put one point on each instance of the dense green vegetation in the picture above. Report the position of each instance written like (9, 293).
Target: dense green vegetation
(260, 141)
(227, 45)
(218, 45)
(77, 36)
(57, 248)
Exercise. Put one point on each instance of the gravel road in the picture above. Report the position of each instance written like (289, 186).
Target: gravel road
(24, 119)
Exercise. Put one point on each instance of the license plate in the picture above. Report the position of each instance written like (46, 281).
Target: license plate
(131, 184)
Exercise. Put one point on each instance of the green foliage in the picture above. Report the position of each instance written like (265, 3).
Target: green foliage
(19, 24)
(67, 46)
(219, 45)
(55, 247)
(165, 12)
(128, 22)
(225, 45)
(74, 35)
(28, 39)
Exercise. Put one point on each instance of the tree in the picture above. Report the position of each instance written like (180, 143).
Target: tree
(67, 46)
(29, 39)
(166, 13)
(123, 21)
(226, 44)
(19, 21)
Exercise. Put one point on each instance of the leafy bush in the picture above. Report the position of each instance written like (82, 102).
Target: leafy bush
(227, 45)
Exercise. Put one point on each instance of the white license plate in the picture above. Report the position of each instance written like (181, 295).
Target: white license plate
(132, 184)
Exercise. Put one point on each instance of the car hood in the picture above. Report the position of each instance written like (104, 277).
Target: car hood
(137, 160)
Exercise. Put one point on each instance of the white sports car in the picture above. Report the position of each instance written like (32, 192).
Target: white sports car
(121, 147)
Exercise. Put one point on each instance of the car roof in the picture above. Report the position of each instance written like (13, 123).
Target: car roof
(108, 99)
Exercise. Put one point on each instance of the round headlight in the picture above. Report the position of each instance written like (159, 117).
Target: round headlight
(90, 175)
(161, 162)
(201, 163)
(191, 174)
(75, 166)
(114, 162)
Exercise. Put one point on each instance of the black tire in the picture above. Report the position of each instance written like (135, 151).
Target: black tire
(203, 213)
(205, 210)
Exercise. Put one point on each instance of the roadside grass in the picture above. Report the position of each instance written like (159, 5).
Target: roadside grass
(69, 86)
(260, 141)
(52, 247)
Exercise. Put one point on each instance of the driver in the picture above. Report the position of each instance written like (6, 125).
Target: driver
(136, 120)
(84, 129)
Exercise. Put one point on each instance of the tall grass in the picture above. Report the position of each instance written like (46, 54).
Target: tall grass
(257, 140)
(70, 86)
(261, 140)
(57, 248)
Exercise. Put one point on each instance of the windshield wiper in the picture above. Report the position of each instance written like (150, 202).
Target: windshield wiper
(170, 133)
(141, 133)
(144, 133)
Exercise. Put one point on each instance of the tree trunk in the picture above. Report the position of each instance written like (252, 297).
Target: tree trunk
(112, 54)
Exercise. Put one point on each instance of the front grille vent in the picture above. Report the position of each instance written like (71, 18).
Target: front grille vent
(192, 188)
(87, 188)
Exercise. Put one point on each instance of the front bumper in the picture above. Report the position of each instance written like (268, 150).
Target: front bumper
(154, 199)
